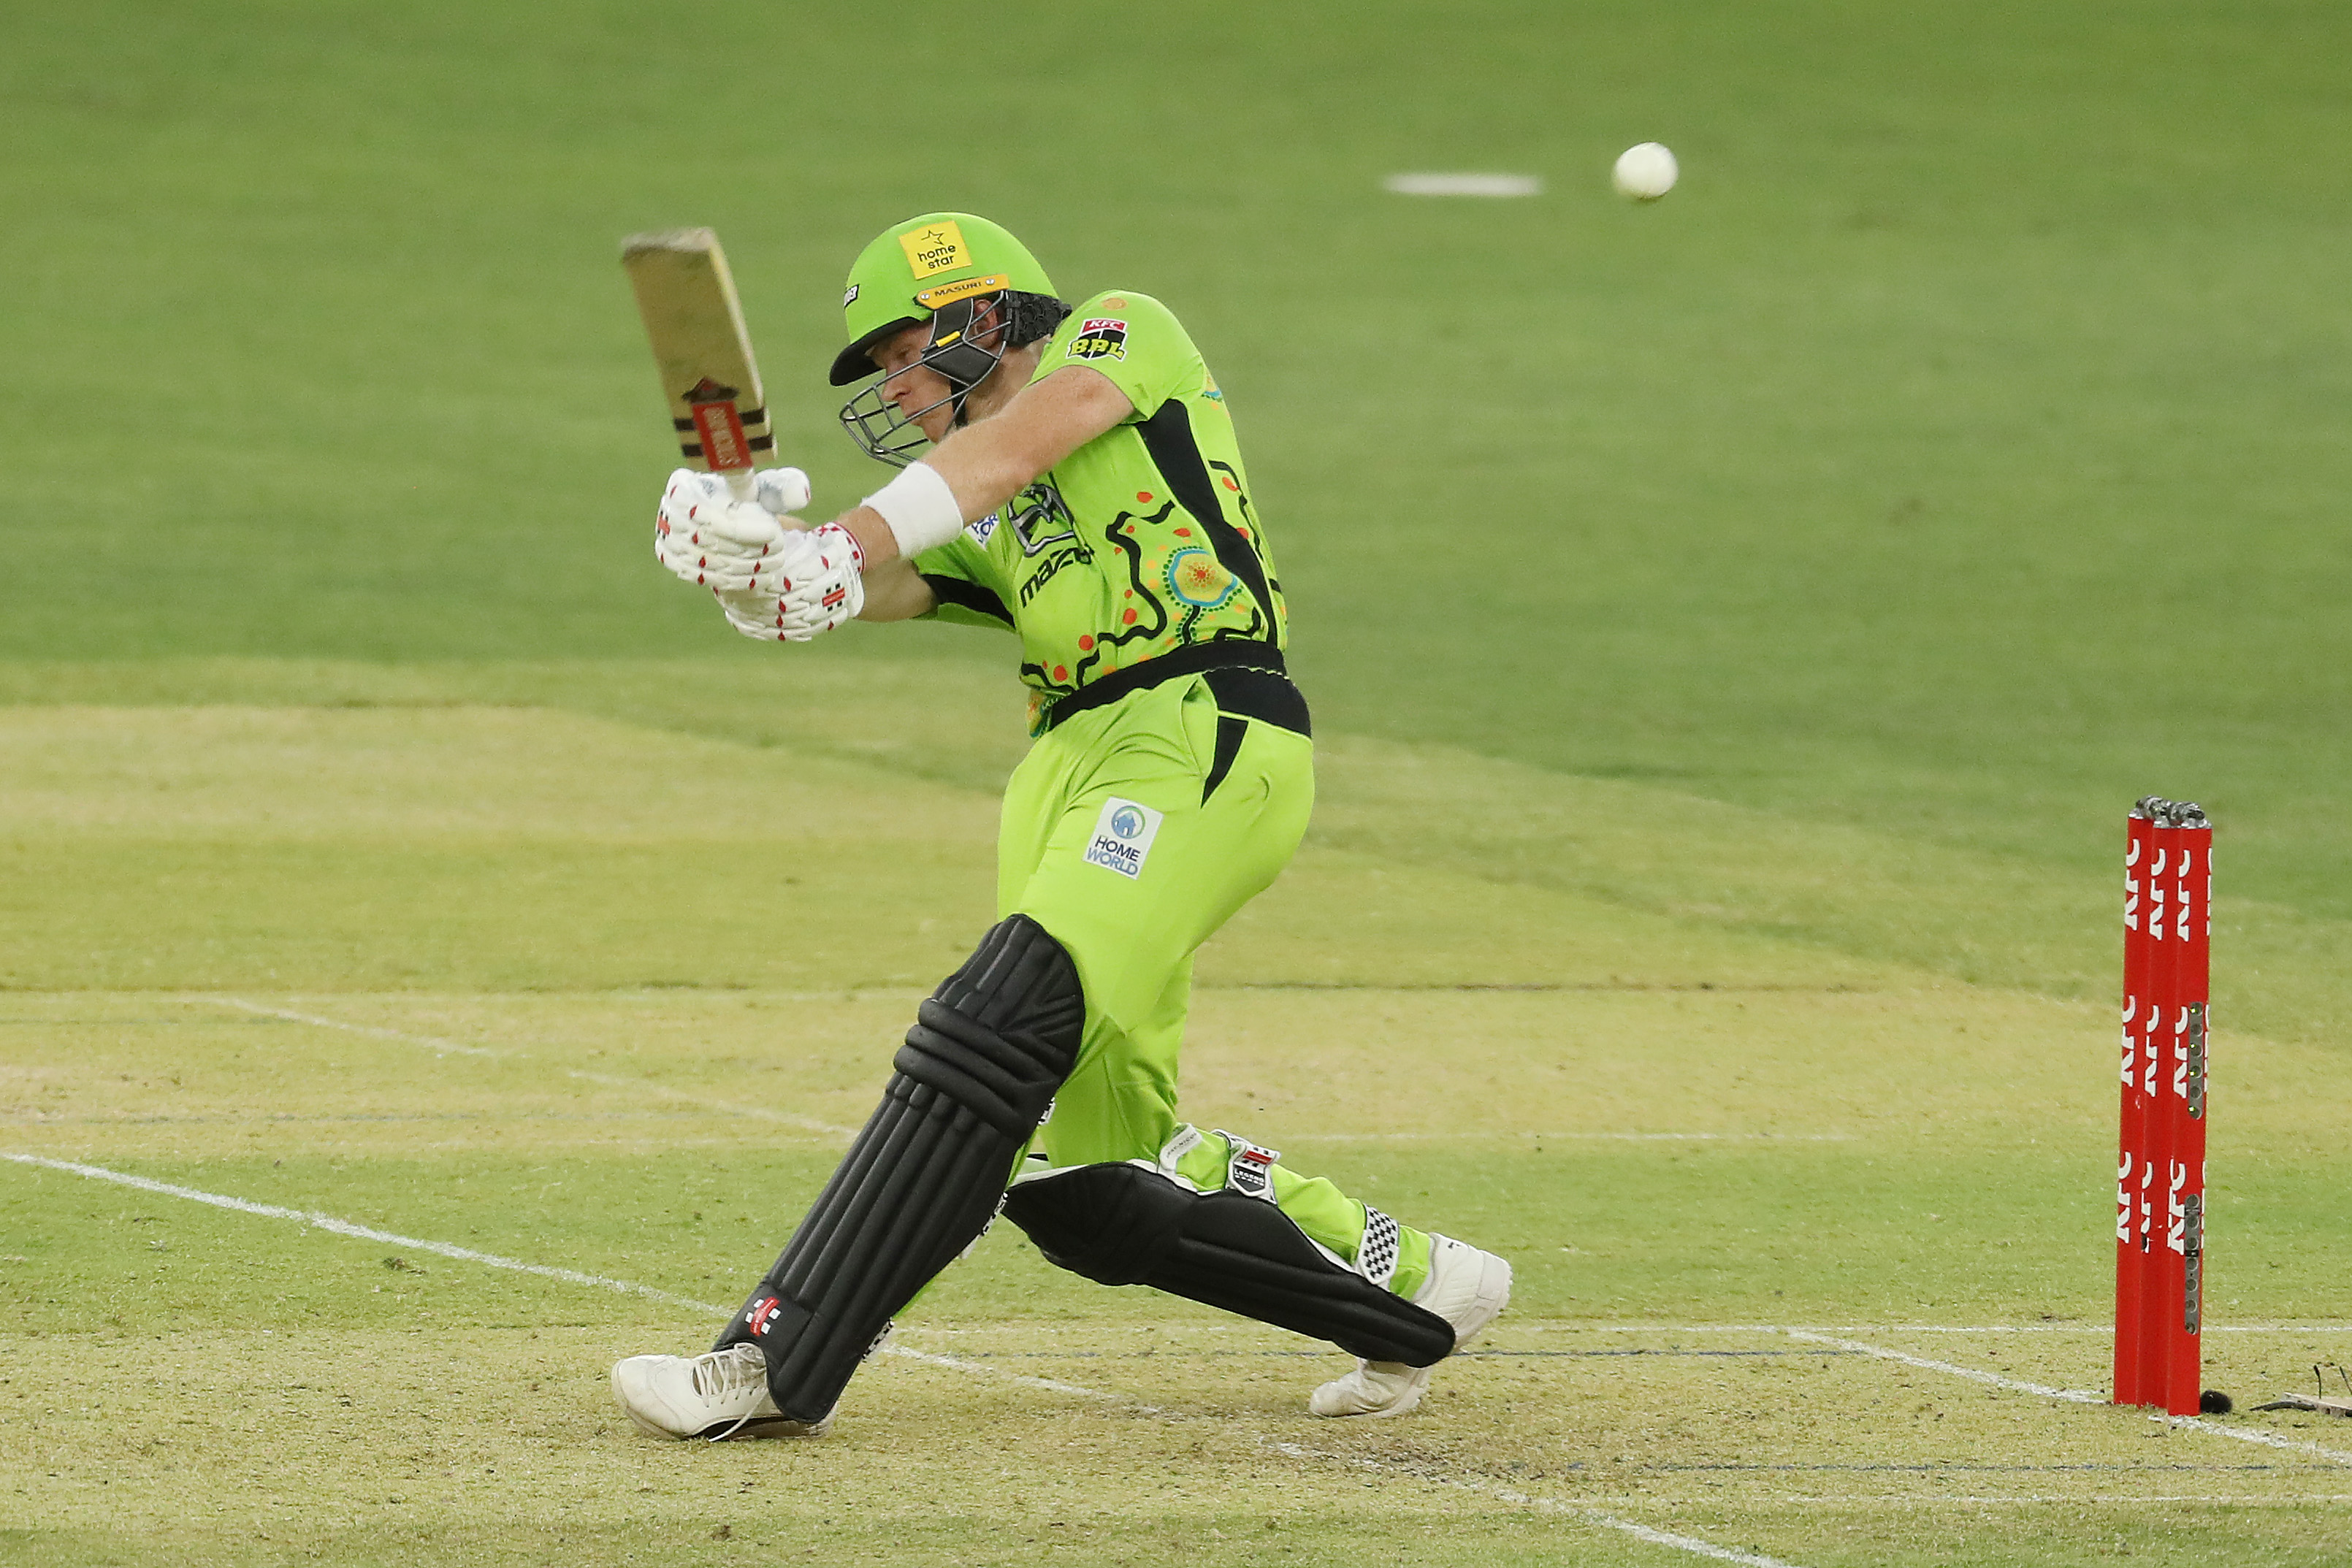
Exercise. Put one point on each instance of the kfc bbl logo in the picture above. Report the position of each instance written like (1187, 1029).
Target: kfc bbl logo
(1099, 338)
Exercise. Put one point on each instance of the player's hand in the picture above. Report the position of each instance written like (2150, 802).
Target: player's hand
(827, 590)
(707, 537)
(783, 491)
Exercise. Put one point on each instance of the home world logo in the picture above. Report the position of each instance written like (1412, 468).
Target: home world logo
(1122, 837)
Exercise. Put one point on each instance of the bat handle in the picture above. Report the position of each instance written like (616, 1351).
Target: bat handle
(740, 484)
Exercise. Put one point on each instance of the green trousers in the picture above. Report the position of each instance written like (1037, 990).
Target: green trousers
(1114, 841)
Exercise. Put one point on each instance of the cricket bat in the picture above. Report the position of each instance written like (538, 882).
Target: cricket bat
(702, 351)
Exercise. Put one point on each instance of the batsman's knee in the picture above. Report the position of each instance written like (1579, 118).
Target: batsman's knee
(1000, 1034)
(987, 1052)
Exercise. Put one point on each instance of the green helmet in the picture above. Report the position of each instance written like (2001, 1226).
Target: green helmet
(915, 268)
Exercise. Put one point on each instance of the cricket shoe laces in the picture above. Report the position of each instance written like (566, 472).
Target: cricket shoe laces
(718, 1395)
(1466, 1288)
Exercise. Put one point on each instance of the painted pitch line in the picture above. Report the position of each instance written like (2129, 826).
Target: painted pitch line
(1568, 1325)
(2072, 1396)
(1543, 988)
(327, 1222)
(1938, 1500)
(1300, 1451)
(435, 1042)
(1565, 1138)
(1909, 1328)
(786, 1118)
(1639, 1531)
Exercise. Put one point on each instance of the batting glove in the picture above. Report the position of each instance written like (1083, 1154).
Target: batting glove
(783, 491)
(824, 589)
(705, 536)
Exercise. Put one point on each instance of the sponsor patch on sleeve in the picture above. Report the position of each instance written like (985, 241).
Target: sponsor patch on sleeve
(980, 527)
(1099, 338)
(1122, 837)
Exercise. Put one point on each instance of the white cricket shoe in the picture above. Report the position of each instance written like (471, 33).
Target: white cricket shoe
(1466, 1288)
(718, 1395)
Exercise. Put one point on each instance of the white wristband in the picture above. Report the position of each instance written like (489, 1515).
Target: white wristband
(919, 507)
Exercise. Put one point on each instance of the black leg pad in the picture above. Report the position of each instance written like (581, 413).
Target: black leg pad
(1126, 1225)
(924, 1178)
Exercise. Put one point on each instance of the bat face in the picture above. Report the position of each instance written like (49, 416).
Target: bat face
(702, 350)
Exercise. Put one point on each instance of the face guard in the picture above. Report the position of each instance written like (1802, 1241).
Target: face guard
(957, 352)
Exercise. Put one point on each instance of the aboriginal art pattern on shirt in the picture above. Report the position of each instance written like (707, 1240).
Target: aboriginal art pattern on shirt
(1142, 541)
(1174, 582)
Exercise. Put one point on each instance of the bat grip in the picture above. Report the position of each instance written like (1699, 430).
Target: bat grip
(740, 484)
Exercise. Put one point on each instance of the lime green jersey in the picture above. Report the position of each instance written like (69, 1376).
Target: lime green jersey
(1141, 542)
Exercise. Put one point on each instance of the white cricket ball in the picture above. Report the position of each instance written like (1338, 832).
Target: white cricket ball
(1645, 172)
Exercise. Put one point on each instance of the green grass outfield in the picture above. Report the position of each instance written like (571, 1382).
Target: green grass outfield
(1735, 627)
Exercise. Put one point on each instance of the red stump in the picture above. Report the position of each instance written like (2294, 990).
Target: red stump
(2160, 1155)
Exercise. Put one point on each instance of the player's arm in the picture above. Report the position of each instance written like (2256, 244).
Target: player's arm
(772, 569)
(985, 465)
(895, 590)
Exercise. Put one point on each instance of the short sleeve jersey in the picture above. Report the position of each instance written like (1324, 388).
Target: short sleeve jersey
(1141, 542)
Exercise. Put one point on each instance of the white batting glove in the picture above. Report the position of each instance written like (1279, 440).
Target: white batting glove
(705, 536)
(823, 591)
(783, 491)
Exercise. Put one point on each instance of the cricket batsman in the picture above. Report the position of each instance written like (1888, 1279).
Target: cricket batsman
(1080, 488)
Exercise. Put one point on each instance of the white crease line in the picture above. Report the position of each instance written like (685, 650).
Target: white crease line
(2084, 1499)
(2072, 1396)
(365, 1233)
(1655, 1537)
(1909, 1328)
(1564, 1137)
(1300, 1451)
(573, 1276)
(435, 1042)
(786, 1118)
(1515, 1325)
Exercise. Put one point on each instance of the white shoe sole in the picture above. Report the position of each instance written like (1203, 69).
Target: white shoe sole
(726, 1432)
